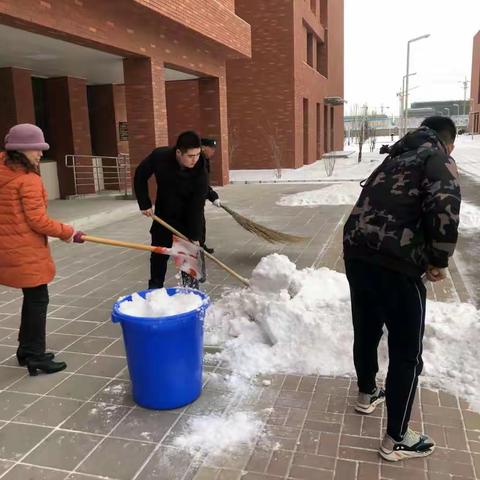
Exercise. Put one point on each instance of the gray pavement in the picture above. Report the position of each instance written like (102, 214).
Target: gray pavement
(82, 423)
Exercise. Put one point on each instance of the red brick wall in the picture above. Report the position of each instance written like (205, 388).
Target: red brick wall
(183, 108)
(313, 85)
(266, 94)
(474, 123)
(198, 37)
(260, 91)
(69, 130)
(16, 99)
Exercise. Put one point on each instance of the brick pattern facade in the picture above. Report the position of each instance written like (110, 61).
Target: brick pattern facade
(16, 98)
(149, 36)
(276, 110)
(474, 123)
(69, 131)
(183, 108)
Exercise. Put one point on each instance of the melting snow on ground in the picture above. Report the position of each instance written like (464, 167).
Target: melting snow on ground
(347, 193)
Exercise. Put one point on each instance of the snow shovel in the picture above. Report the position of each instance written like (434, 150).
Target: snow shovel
(187, 257)
(209, 255)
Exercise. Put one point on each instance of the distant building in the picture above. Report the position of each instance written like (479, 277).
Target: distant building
(439, 107)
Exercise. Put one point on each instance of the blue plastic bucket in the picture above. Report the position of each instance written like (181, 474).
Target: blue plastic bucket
(164, 354)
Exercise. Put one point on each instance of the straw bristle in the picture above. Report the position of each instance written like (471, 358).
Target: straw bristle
(272, 236)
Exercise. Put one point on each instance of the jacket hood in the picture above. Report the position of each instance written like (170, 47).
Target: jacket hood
(6, 173)
(422, 137)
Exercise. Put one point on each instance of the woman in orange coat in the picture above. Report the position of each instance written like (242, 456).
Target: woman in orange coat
(25, 259)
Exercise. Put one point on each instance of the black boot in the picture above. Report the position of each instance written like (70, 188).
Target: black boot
(22, 356)
(44, 365)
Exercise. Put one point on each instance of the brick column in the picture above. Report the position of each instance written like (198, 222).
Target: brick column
(16, 98)
(69, 131)
(146, 106)
(213, 116)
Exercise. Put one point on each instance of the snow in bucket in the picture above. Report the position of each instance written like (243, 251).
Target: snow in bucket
(158, 303)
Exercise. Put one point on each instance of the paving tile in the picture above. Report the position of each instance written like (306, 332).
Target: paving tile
(49, 411)
(9, 375)
(103, 366)
(80, 387)
(141, 424)
(63, 450)
(305, 473)
(402, 473)
(74, 360)
(120, 459)
(60, 341)
(17, 439)
(77, 327)
(368, 471)
(89, 345)
(117, 348)
(40, 384)
(116, 391)
(346, 470)
(6, 351)
(29, 472)
(12, 403)
(167, 463)
(95, 417)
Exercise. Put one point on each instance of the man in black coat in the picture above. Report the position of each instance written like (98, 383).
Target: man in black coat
(182, 184)
(209, 147)
(403, 229)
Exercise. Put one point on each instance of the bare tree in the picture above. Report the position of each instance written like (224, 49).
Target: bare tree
(233, 142)
(273, 136)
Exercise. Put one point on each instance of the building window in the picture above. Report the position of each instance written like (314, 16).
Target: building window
(305, 131)
(313, 6)
(319, 141)
(322, 57)
(326, 147)
(324, 12)
(310, 48)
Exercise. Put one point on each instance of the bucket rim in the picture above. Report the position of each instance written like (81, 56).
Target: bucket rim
(170, 291)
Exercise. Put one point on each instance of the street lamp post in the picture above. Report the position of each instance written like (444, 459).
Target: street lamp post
(448, 111)
(405, 112)
(458, 108)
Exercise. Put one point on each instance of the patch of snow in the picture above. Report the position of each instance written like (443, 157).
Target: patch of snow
(216, 434)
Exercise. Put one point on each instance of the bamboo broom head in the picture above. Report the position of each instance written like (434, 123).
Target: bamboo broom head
(268, 234)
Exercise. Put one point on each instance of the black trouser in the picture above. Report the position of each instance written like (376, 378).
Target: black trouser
(31, 337)
(158, 262)
(383, 296)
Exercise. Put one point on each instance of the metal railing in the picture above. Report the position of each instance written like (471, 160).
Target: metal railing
(95, 174)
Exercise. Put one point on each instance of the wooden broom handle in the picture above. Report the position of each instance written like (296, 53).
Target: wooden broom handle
(209, 255)
(118, 243)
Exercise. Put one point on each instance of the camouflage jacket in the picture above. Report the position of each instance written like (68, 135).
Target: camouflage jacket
(408, 212)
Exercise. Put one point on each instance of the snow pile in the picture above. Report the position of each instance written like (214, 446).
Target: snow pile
(159, 303)
(216, 434)
(310, 319)
(348, 193)
(336, 194)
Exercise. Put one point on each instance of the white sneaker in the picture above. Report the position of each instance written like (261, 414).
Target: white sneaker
(413, 445)
(367, 402)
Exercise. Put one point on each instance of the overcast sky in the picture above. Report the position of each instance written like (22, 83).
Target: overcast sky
(376, 35)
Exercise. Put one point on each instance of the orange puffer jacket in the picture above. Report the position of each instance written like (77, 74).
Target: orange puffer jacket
(25, 259)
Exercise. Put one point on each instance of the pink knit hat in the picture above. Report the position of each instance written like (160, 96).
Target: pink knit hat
(25, 136)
